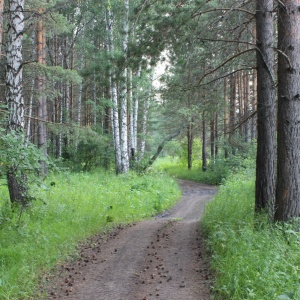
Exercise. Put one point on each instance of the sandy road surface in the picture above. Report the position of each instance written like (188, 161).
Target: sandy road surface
(157, 259)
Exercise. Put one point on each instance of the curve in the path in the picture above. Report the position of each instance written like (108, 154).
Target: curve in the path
(157, 259)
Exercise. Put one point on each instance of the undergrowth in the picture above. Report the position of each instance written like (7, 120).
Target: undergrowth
(250, 258)
(216, 172)
(68, 209)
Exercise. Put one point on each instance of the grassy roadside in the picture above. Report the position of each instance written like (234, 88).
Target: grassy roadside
(250, 258)
(174, 167)
(77, 206)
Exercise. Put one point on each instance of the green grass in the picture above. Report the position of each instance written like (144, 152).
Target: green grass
(78, 206)
(250, 258)
(215, 174)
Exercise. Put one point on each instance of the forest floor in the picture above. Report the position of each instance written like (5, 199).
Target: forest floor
(161, 258)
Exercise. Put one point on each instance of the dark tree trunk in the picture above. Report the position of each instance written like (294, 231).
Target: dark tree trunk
(204, 158)
(17, 187)
(288, 138)
(254, 106)
(266, 115)
(226, 118)
(190, 146)
(161, 146)
(216, 134)
(232, 114)
(212, 138)
(246, 106)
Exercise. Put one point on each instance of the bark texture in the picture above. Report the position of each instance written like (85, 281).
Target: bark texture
(41, 81)
(123, 96)
(204, 157)
(226, 118)
(17, 185)
(14, 66)
(288, 163)
(1, 24)
(266, 114)
(113, 93)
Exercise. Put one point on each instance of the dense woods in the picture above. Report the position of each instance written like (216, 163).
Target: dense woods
(81, 79)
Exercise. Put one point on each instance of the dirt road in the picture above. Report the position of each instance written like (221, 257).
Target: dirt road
(157, 259)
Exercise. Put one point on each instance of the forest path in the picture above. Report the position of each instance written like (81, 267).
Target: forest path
(160, 258)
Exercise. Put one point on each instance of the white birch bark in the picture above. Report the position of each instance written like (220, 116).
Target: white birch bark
(17, 185)
(123, 96)
(144, 128)
(134, 105)
(113, 93)
(14, 66)
(131, 118)
(135, 114)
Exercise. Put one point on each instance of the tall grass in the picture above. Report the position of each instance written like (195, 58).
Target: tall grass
(251, 258)
(73, 208)
(216, 173)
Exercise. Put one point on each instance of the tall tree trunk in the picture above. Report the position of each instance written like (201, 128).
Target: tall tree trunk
(240, 89)
(204, 158)
(246, 106)
(30, 109)
(95, 105)
(190, 139)
(131, 119)
(216, 135)
(123, 96)
(266, 115)
(135, 114)
(212, 138)
(1, 24)
(232, 114)
(17, 184)
(144, 127)
(41, 81)
(288, 137)
(226, 118)
(254, 106)
(113, 93)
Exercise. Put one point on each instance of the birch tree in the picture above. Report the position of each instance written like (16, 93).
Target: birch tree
(113, 90)
(17, 184)
(123, 95)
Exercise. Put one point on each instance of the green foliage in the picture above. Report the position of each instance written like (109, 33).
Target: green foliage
(196, 153)
(217, 172)
(72, 208)
(251, 258)
(14, 152)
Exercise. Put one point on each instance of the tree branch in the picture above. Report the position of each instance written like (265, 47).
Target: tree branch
(225, 62)
(162, 144)
(227, 41)
(241, 123)
(223, 9)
